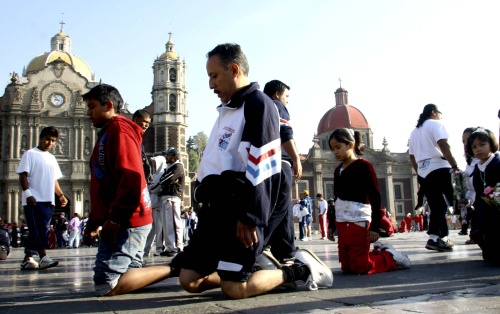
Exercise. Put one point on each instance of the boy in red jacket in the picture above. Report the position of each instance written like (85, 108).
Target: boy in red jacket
(119, 197)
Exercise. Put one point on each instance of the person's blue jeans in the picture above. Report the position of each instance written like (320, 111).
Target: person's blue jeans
(112, 260)
(38, 220)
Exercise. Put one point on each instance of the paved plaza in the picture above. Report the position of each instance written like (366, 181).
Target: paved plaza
(454, 282)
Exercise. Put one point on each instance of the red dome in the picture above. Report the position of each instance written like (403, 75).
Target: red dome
(342, 116)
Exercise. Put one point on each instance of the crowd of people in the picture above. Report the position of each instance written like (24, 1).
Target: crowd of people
(136, 201)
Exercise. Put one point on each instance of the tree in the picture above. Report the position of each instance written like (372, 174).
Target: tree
(190, 144)
(195, 146)
(200, 141)
(194, 160)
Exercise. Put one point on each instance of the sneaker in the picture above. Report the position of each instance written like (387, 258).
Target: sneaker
(267, 261)
(446, 245)
(462, 233)
(431, 245)
(401, 259)
(47, 262)
(304, 239)
(321, 276)
(470, 242)
(29, 264)
(287, 261)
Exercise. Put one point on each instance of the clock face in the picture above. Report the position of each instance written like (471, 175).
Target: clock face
(57, 99)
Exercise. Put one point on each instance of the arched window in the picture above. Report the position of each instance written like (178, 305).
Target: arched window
(172, 102)
(172, 73)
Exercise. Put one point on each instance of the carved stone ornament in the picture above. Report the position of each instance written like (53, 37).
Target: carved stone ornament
(34, 95)
(17, 94)
(58, 69)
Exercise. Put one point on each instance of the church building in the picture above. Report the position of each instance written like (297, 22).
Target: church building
(396, 178)
(48, 93)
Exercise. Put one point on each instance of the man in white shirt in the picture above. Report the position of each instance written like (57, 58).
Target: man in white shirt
(38, 174)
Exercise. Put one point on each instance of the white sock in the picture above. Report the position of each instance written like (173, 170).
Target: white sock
(433, 237)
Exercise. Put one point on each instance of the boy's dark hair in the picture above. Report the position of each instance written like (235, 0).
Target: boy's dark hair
(319, 195)
(483, 135)
(229, 54)
(49, 131)
(345, 136)
(141, 113)
(104, 93)
(274, 86)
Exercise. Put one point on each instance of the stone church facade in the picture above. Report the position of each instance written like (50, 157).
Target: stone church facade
(48, 93)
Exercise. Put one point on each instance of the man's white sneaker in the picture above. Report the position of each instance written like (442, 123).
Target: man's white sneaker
(402, 260)
(29, 264)
(321, 275)
(47, 262)
(267, 261)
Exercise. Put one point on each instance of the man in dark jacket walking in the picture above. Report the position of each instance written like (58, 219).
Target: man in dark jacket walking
(172, 183)
(62, 231)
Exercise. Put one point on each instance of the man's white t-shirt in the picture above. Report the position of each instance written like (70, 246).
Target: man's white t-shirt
(424, 147)
(323, 206)
(43, 170)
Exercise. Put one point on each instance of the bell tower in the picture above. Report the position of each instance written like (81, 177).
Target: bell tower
(169, 94)
(169, 100)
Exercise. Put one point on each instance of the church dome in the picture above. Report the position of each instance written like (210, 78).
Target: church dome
(60, 50)
(342, 115)
(80, 66)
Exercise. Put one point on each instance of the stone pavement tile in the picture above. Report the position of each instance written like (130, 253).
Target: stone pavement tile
(478, 300)
(452, 281)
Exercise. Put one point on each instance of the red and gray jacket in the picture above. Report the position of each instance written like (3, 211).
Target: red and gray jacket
(118, 189)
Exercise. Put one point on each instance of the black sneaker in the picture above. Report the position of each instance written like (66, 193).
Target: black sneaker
(431, 245)
(445, 245)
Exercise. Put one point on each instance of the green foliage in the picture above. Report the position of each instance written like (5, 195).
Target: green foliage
(200, 141)
(195, 146)
(194, 160)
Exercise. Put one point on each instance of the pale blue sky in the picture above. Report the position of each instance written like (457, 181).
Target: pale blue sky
(394, 56)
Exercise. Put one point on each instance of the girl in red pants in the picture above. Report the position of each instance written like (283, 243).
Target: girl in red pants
(357, 209)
